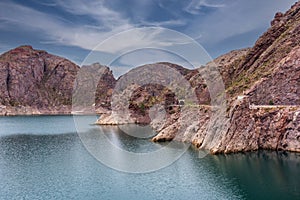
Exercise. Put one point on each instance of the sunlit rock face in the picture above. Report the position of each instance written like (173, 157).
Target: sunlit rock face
(36, 82)
(262, 91)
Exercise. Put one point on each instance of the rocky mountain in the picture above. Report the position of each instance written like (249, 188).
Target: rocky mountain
(268, 77)
(262, 86)
(36, 82)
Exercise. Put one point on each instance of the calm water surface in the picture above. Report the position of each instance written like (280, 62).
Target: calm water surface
(43, 158)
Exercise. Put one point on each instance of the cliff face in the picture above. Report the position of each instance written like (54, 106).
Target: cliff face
(272, 47)
(268, 74)
(35, 82)
(93, 89)
(266, 116)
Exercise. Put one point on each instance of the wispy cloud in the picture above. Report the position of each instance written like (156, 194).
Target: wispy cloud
(235, 19)
(108, 23)
(177, 22)
(58, 30)
(195, 6)
(86, 23)
(105, 17)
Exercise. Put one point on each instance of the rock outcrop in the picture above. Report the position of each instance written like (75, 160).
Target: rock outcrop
(265, 116)
(262, 91)
(36, 82)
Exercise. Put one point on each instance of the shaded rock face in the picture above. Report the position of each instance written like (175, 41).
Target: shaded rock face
(35, 82)
(93, 88)
(145, 97)
(104, 90)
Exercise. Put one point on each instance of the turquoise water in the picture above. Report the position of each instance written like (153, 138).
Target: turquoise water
(43, 158)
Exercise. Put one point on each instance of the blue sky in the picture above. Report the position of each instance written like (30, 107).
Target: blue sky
(72, 28)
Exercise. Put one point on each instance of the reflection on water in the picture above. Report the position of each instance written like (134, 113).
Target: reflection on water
(121, 151)
(57, 166)
(263, 174)
(122, 137)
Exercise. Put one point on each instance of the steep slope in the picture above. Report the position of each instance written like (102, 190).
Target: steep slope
(280, 39)
(35, 82)
(266, 74)
(197, 119)
(267, 117)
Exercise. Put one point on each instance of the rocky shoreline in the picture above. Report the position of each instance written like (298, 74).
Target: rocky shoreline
(262, 94)
(27, 110)
(241, 130)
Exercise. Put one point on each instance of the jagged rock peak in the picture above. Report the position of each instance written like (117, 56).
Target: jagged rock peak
(22, 52)
(281, 18)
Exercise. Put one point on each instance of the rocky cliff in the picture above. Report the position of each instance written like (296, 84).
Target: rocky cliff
(266, 117)
(36, 82)
(262, 86)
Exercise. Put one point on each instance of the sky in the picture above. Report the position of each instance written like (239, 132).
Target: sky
(75, 28)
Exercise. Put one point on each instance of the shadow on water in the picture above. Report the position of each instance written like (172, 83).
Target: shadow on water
(261, 174)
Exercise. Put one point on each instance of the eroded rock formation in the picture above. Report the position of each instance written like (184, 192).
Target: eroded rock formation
(262, 86)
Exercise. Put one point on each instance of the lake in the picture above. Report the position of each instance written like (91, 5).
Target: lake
(43, 157)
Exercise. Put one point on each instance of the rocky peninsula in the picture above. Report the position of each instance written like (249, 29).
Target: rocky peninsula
(262, 86)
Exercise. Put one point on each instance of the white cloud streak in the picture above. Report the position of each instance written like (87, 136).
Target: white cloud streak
(60, 32)
(236, 18)
(195, 6)
(106, 17)
(165, 23)
(231, 18)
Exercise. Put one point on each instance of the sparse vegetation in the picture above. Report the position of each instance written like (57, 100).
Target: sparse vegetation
(142, 108)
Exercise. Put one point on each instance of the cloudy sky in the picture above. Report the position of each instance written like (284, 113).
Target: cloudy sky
(72, 28)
